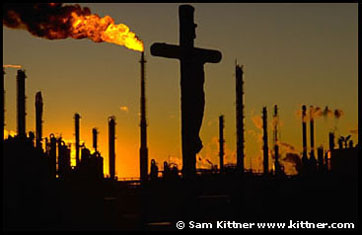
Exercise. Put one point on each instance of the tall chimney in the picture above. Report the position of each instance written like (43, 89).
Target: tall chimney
(21, 102)
(331, 141)
(2, 107)
(77, 145)
(38, 119)
(304, 129)
(320, 158)
(275, 139)
(95, 139)
(312, 156)
(112, 153)
(265, 141)
(143, 125)
(221, 142)
(239, 118)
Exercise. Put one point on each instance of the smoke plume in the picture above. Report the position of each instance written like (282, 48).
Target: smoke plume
(55, 21)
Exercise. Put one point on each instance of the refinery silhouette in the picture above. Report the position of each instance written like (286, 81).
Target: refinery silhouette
(43, 191)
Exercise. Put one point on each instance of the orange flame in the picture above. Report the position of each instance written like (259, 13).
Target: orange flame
(104, 30)
(55, 21)
(12, 66)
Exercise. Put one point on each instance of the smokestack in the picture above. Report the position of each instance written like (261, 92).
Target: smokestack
(38, 119)
(2, 107)
(265, 141)
(304, 129)
(143, 125)
(77, 145)
(331, 141)
(111, 140)
(21, 102)
(312, 156)
(95, 138)
(221, 142)
(320, 158)
(275, 139)
(239, 118)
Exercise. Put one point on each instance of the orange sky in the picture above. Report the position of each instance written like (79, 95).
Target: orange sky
(293, 54)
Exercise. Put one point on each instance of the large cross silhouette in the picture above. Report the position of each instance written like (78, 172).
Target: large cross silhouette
(192, 84)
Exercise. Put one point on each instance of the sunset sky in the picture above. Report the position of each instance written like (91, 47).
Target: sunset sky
(293, 54)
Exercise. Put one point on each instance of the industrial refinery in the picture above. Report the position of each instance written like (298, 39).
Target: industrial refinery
(46, 187)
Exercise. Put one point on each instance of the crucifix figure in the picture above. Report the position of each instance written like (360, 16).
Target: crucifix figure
(192, 84)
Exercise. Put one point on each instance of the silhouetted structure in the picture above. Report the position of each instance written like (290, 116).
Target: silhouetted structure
(277, 165)
(344, 162)
(64, 168)
(53, 156)
(304, 130)
(21, 103)
(2, 117)
(38, 119)
(312, 155)
(331, 141)
(320, 155)
(265, 142)
(166, 170)
(221, 142)
(77, 133)
(239, 118)
(192, 81)
(95, 139)
(143, 125)
(81, 199)
(154, 170)
(112, 151)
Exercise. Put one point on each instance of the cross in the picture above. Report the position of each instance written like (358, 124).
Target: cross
(192, 84)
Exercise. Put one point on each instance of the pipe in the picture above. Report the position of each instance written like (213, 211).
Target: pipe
(38, 119)
(77, 133)
(312, 155)
(221, 142)
(21, 103)
(265, 141)
(239, 118)
(304, 130)
(2, 107)
(276, 144)
(111, 141)
(143, 125)
(95, 139)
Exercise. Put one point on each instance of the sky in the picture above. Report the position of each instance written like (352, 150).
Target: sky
(293, 54)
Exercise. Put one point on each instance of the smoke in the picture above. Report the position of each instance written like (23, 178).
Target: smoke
(12, 66)
(287, 148)
(316, 112)
(295, 160)
(203, 163)
(257, 121)
(327, 112)
(354, 132)
(338, 113)
(55, 21)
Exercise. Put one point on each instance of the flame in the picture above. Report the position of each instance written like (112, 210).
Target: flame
(54, 21)
(12, 66)
(104, 30)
